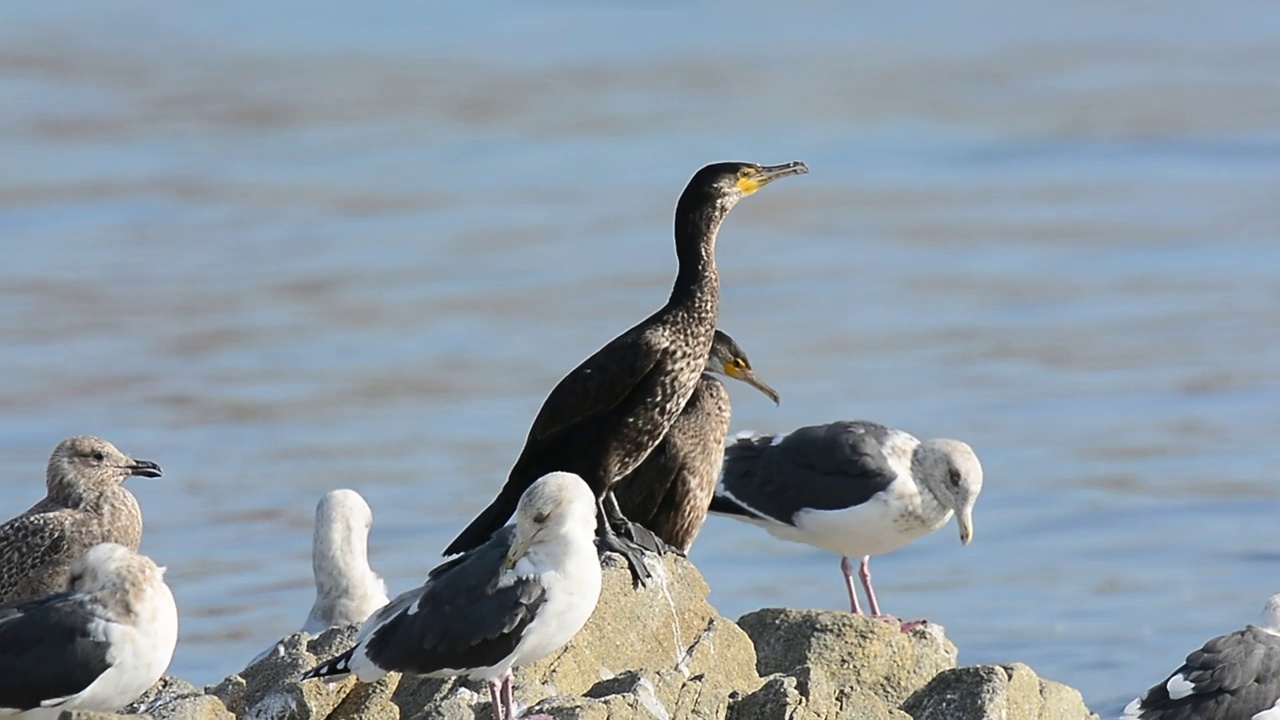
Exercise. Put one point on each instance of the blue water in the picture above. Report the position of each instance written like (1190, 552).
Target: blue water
(284, 249)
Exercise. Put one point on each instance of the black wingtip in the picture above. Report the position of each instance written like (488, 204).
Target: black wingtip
(722, 505)
(340, 665)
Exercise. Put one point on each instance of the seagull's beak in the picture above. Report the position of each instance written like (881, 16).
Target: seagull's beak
(518, 548)
(748, 376)
(766, 174)
(143, 468)
(964, 519)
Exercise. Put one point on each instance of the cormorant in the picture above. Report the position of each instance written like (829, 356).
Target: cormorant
(672, 489)
(606, 415)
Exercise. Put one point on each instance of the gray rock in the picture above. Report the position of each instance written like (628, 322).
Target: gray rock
(92, 715)
(272, 689)
(659, 653)
(174, 699)
(852, 651)
(1009, 692)
(808, 694)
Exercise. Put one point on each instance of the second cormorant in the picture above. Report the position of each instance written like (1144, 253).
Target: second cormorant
(670, 493)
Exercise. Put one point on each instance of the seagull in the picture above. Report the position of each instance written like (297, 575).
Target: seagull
(507, 603)
(1231, 676)
(85, 504)
(98, 645)
(347, 589)
(854, 488)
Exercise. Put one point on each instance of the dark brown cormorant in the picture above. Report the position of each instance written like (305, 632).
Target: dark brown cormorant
(672, 489)
(605, 416)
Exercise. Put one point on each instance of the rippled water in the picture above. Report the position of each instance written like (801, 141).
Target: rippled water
(281, 250)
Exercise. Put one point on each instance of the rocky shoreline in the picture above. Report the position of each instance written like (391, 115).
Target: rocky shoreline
(661, 652)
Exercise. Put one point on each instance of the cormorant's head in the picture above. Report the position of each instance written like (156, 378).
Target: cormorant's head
(729, 359)
(724, 184)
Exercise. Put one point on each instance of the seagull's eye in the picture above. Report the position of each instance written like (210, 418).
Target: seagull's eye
(954, 477)
(98, 456)
(541, 517)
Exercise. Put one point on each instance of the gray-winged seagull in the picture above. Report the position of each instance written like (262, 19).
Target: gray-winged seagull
(509, 602)
(854, 488)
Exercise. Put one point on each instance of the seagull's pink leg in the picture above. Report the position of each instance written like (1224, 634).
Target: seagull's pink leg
(847, 568)
(864, 572)
(494, 695)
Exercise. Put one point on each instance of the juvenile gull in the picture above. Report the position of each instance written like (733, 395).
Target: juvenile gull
(1232, 676)
(84, 505)
(510, 602)
(854, 488)
(347, 589)
(603, 418)
(98, 645)
(671, 490)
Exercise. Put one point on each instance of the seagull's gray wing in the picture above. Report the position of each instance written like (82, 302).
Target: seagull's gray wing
(819, 467)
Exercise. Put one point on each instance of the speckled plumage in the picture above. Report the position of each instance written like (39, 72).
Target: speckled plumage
(605, 416)
(84, 505)
(670, 492)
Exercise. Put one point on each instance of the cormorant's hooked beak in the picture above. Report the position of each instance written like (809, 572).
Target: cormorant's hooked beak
(964, 519)
(748, 376)
(143, 468)
(768, 173)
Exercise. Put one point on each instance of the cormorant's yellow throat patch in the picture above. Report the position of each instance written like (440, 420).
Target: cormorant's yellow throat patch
(751, 183)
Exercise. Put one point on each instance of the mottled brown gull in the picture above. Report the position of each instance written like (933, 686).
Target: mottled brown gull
(84, 504)
(98, 645)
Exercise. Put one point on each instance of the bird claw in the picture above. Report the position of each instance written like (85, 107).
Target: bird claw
(632, 553)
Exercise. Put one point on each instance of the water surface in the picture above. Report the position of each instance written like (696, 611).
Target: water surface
(281, 250)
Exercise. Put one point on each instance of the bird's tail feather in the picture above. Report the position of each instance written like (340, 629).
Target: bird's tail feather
(340, 665)
(724, 505)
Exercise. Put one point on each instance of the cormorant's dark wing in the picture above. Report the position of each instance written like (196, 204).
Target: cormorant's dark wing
(1232, 676)
(462, 618)
(28, 542)
(598, 384)
(819, 467)
(586, 394)
(641, 493)
(50, 649)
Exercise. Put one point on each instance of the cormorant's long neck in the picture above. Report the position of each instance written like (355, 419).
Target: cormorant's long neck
(697, 225)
